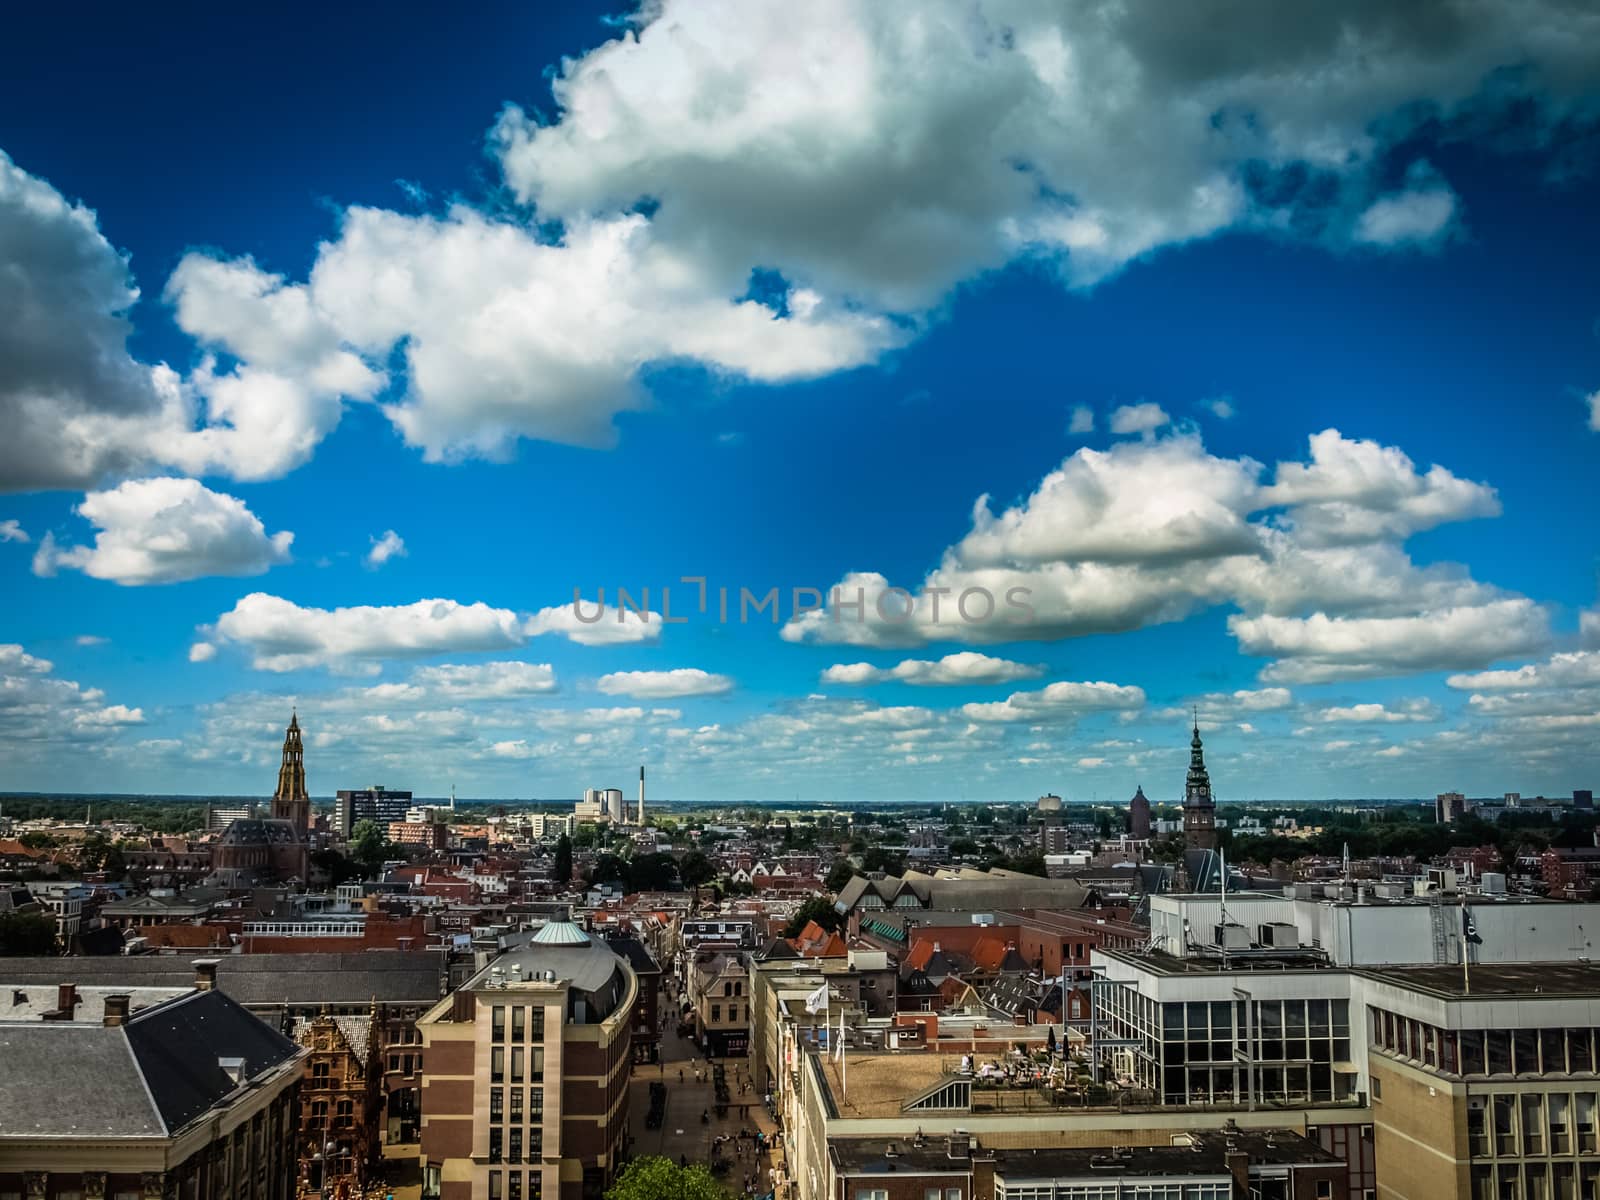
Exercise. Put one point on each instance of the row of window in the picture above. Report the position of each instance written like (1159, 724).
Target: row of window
(534, 1111)
(1485, 1051)
(507, 1145)
(509, 1185)
(526, 1023)
(1535, 1181)
(1130, 1190)
(1510, 1125)
(527, 1065)
(716, 1012)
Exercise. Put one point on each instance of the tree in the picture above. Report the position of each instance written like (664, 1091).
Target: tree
(815, 909)
(656, 1178)
(338, 867)
(840, 875)
(652, 872)
(694, 868)
(607, 868)
(366, 843)
(27, 933)
(561, 871)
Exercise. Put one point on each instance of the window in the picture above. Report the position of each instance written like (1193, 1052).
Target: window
(536, 1024)
(1324, 1189)
(1532, 1123)
(496, 1147)
(516, 1064)
(1560, 1138)
(535, 1104)
(319, 1110)
(518, 1023)
(497, 1104)
(494, 1185)
(716, 1012)
(733, 1012)
(497, 1065)
(516, 1144)
(516, 1105)
(514, 1190)
(872, 1194)
(319, 1074)
(498, 1023)
(952, 1194)
(535, 1144)
(932, 1194)
(1583, 1118)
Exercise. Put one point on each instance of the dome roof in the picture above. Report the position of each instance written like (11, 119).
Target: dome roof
(561, 933)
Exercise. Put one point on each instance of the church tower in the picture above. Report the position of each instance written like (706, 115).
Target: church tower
(291, 802)
(1199, 809)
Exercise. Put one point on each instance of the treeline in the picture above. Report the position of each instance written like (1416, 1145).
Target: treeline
(159, 815)
(1398, 834)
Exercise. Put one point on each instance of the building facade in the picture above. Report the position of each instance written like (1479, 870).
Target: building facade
(341, 1095)
(525, 1073)
(375, 803)
(1199, 806)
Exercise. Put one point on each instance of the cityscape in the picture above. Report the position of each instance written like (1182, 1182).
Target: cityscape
(953, 600)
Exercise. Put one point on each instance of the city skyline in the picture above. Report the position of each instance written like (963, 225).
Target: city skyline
(333, 381)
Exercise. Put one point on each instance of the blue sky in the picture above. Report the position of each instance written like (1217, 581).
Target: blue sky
(1277, 362)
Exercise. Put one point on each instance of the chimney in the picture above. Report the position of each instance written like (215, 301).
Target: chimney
(1238, 1164)
(205, 974)
(117, 1009)
(67, 999)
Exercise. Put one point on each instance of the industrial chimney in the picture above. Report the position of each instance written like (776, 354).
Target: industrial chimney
(639, 816)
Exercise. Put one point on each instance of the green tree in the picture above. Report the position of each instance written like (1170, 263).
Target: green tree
(27, 933)
(694, 868)
(655, 1178)
(815, 909)
(338, 867)
(1029, 862)
(652, 872)
(840, 875)
(366, 843)
(561, 869)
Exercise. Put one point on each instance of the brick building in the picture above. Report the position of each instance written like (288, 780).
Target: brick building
(340, 1098)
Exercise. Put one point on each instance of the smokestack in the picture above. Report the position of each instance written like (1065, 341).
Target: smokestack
(641, 797)
(116, 1010)
(205, 973)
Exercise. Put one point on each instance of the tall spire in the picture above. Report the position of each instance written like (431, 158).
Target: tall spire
(1199, 807)
(291, 802)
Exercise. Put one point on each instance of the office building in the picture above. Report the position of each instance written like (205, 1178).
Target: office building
(375, 803)
(525, 1073)
(1450, 807)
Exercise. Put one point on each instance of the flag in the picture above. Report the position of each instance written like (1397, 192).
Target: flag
(1469, 927)
(817, 1001)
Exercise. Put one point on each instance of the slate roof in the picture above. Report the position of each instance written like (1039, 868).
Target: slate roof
(258, 980)
(147, 1078)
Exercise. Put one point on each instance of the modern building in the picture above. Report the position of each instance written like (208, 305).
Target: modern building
(526, 1069)
(1199, 806)
(430, 835)
(375, 803)
(1450, 807)
(220, 816)
(141, 1095)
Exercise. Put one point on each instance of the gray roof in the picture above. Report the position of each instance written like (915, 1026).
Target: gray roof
(30, 1002)
(146, 1078)
(257, 980)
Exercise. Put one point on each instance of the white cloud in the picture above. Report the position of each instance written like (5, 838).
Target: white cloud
(596, 624)
(486, 681)
(11, 531)
(664, 685)
(166, 530)
(1138, 418)
(1149, 531)
(1081, 419)
(964, 667)
(1419, 215)
(42, 715)
(1224, 706)
(1593, 401)
(1589, 627)
(1221, 407)
(202, 652)
(1580, 668)
(90, 639)
(390, 545)
(1372, 713)
(1057, 701)
(1320, 648)
(284, 636)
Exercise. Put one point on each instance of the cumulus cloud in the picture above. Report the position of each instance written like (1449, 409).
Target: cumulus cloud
(859, 160)
(1224, 706)
(1579, 668)
(486, 681)
(1138, 418)
(1057, 701)
(11, 531)
(1419, 215)
(202, 652)
(166, 530)
(284, 636)
(664, 685)
(1320, 648)
(964, 667)
(390, 545)
(1419, 709)
(1150, 531)
(596, 623)
(41, 714)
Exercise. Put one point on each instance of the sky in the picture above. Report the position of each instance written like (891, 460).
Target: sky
(857, 401)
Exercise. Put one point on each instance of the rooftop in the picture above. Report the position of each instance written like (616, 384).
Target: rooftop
(1544, 979)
